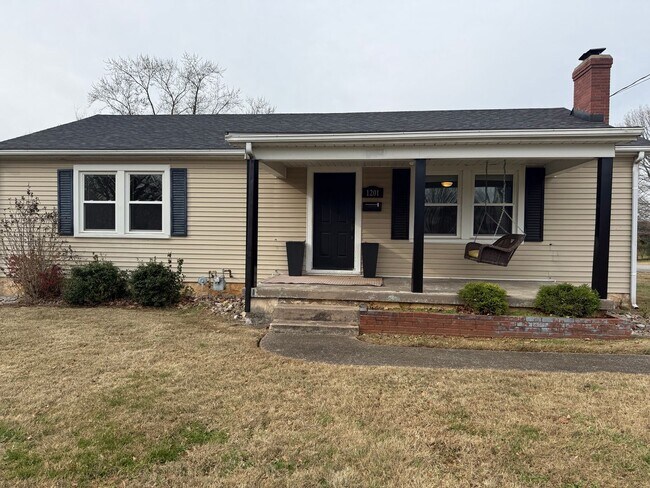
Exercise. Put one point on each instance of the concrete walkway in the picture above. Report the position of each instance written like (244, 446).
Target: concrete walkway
(349, 350)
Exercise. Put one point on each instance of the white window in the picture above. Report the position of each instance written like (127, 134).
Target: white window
(441, 205)
(98, 201)
(122, 201)
(493, 204)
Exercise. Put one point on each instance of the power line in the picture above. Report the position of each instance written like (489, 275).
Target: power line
(631, 85)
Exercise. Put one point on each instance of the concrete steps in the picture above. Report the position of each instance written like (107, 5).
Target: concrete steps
(315, 319)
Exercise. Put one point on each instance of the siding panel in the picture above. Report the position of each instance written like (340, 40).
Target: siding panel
(216, 217)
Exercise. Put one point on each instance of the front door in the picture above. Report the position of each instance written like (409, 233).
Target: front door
(334, 218)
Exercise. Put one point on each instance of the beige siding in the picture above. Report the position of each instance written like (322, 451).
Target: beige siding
(567, 250)
(282, 218)
(216, 197)
(216, 217)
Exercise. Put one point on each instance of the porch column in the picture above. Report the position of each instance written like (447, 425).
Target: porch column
(417, 266)
(600, 270)
(252, 195)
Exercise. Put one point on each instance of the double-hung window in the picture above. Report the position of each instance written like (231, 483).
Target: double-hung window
(126, 200)
(145, 207)
(441, 205)
(99, 202)
(493, 204)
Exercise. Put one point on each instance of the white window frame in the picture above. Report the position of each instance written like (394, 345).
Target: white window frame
(458, 205)
(512, 204)
(467, 173)
(122, 173)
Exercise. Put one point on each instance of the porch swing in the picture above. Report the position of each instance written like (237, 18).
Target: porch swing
(500, 252)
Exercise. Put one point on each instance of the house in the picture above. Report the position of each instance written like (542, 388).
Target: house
(228, 191)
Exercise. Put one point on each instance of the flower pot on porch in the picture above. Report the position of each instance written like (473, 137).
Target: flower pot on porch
(369, 253)
(295, 257)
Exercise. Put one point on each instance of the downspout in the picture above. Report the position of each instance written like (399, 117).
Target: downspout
(635, 227)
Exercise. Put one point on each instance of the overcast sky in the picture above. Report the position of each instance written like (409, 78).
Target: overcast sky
(324, 56)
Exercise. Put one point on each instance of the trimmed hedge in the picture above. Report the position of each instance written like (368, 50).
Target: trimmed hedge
(484, 298)
(95, 283)
(155, 284)
(567, 300)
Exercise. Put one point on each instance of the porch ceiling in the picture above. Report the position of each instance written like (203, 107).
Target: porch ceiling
(549, 163)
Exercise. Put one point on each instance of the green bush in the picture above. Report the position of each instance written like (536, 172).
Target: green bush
(155, 284)
(94, 283)
(566, 300)
(484, 298)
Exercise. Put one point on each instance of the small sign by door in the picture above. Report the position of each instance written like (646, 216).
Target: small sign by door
(373, 192)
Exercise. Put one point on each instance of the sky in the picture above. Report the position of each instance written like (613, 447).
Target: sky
(324, 56)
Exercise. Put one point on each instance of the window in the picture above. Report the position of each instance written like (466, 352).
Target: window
(145, 202)
(127, 201)
(492, 196)
(99, 201)
(441, 205)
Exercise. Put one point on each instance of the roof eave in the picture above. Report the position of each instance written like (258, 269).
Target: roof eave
(615, 135)
(135, 153)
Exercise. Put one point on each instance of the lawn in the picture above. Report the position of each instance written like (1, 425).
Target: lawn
(643, 293)
(112, 396)
(622, 346)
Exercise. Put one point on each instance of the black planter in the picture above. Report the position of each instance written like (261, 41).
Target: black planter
(369, 252)
(295, 257)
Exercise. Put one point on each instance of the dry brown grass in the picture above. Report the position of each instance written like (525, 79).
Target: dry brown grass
(144, 397)
(623, 346)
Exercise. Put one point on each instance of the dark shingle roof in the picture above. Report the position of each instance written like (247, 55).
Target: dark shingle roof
(124, 132)
(640, 142)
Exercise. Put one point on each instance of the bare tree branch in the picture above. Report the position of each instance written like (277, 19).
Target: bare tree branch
(151, 85)
(259, 105)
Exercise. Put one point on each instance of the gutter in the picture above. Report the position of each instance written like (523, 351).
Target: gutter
(613, 134)
(635, 227)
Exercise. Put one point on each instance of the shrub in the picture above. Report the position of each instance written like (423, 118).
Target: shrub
(94, 283)
(50, 282)
(155, 284)
(484, 298)
(33, 253)
(567, 300)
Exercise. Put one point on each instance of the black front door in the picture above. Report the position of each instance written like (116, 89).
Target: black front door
(334, 220)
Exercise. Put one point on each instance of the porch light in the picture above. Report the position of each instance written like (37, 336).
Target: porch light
(446, 184)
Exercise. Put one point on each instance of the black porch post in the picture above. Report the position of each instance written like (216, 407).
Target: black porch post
(252, 189)
(600, 268)
(417, 267)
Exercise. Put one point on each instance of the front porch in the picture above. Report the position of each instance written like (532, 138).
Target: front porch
(423, 210)
(393, 292)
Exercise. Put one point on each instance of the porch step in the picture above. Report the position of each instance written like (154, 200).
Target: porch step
(316, 313)
(315, 319)
(315, 327)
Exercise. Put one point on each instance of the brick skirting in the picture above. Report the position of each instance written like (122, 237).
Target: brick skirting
(422, 323)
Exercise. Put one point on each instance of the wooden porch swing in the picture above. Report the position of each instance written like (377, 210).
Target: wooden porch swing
(500, 252)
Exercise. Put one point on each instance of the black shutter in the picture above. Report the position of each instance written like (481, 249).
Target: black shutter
(534, 210)
(179, 202)
(64, 201)
(401, 200)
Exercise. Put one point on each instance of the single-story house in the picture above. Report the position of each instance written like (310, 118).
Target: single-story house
(228, 191)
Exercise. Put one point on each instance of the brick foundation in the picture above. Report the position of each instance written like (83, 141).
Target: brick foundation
(422, 323)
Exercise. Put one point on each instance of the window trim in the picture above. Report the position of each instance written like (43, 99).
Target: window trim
(458, 205)
(467, 172)
(122, 199)
(82, 192)
(512, 204)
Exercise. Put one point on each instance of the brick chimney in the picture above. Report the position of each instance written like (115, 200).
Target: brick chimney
(591, 86)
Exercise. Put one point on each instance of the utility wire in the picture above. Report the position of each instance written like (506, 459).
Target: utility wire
(631, 85)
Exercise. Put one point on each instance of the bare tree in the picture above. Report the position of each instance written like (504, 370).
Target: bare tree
(640, 117)
(259, 105)
(152, 85)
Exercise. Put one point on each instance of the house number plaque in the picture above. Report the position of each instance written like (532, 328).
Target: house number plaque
(373, 192)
